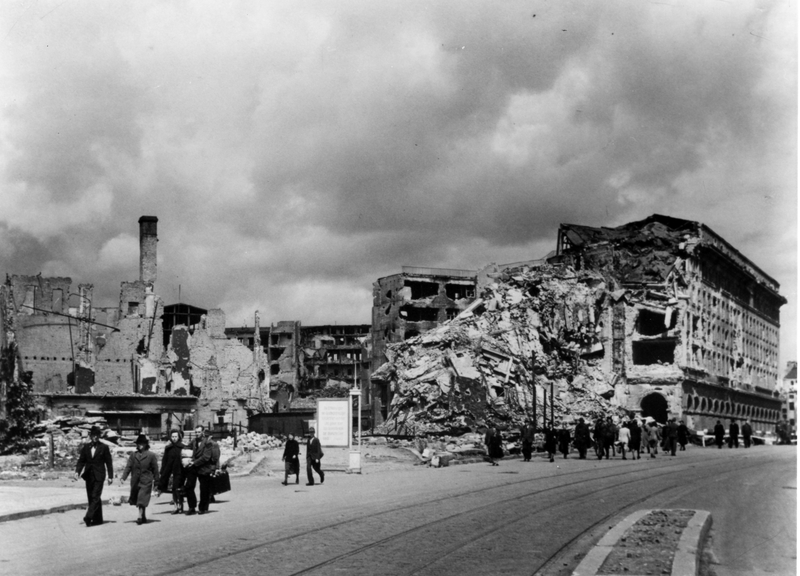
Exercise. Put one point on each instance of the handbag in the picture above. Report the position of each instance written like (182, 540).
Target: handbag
(220, 482)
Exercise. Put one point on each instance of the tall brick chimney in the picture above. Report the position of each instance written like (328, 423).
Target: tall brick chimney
(148, 239)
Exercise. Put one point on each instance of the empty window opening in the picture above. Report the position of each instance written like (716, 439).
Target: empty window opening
(274, 369)
(412, 314)
(456, 291)
(647, 352)
(410, 334)
(133, 308)
(422, 289)
(650, 323)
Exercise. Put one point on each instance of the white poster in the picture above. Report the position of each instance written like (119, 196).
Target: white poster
(333, 421)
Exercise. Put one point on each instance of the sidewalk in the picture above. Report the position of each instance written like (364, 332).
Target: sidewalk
(27, 498)
(17, 502)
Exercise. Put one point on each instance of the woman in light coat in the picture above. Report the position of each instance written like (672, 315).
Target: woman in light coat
(143, 469)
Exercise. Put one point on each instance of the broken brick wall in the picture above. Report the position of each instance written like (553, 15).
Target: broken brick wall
(226, 375)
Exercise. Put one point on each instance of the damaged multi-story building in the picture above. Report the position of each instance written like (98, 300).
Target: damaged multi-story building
(694, 327)
(302, 359)
(89, 360)
(660, 317)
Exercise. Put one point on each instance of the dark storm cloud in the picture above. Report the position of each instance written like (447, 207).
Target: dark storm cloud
(295, 153)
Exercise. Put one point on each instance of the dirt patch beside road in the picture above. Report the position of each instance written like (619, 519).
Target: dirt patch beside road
(648, 547)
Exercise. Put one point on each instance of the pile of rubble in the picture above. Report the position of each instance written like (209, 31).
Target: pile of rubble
(532, 330)
(252, 442)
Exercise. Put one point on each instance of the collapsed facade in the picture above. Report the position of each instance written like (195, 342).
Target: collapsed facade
(660, 317)
(85, 360)
(303, 359)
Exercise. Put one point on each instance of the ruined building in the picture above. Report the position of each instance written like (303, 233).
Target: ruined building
(694, 330)
(114, 361)
(660, 317)
(303, 359)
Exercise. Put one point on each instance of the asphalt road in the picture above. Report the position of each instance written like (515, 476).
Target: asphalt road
(517, 518)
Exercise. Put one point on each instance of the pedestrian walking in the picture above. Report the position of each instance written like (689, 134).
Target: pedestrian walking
(564, 438)
(609, 437)
(93, 463)
(291, 460)
(671, 437)
(550, 441)
(495, 447)
(733, 432)
(583, 438)
(653, 438)
(527, 434)
(314, 458)
(143, 469)
(200, 469)
(216, 454)
(719, 434)
(747, 433)
(599, 434)
(683, 435)
(635, 442)
(172, 469)
(623, 439)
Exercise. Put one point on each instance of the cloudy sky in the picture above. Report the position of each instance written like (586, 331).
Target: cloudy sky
(295, 152)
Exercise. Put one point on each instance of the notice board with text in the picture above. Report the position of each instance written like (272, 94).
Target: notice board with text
(333, 421)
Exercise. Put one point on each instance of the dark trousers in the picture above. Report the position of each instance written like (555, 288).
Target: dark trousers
(733, 442)
(670, 445)
(317, 466)
(205, 490)
(747, 441)
(94, 493)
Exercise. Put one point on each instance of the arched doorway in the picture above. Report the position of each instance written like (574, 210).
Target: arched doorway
(655, 406)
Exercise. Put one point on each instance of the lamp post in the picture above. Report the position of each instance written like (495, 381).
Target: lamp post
(355, 455)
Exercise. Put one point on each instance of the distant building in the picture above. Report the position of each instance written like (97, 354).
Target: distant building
(302, 359)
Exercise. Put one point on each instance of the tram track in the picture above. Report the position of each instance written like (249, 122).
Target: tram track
(619, 470)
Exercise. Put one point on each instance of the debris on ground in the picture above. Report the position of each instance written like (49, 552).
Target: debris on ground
(531, 331)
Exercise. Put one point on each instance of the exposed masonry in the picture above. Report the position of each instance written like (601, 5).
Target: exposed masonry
(684, 326)
(304, 359)
(114, 361)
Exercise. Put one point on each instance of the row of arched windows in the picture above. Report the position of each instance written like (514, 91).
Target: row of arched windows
(728, 409)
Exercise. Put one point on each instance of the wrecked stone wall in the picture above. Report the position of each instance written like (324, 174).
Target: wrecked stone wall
(227, 376)
(530, 330)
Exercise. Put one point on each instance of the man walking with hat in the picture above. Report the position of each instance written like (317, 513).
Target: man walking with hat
(313, 458)
(94, 461)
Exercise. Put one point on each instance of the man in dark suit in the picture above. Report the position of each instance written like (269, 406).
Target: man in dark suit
(94, 461)
(313, 459)
(201, 468)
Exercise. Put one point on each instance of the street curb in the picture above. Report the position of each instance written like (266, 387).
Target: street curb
(686, 561)
(594, 559)
(687, 556)
(56, 509)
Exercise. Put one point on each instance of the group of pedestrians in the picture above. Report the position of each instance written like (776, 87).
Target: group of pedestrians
(95, 467)
(733, 434)
(632, 437)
